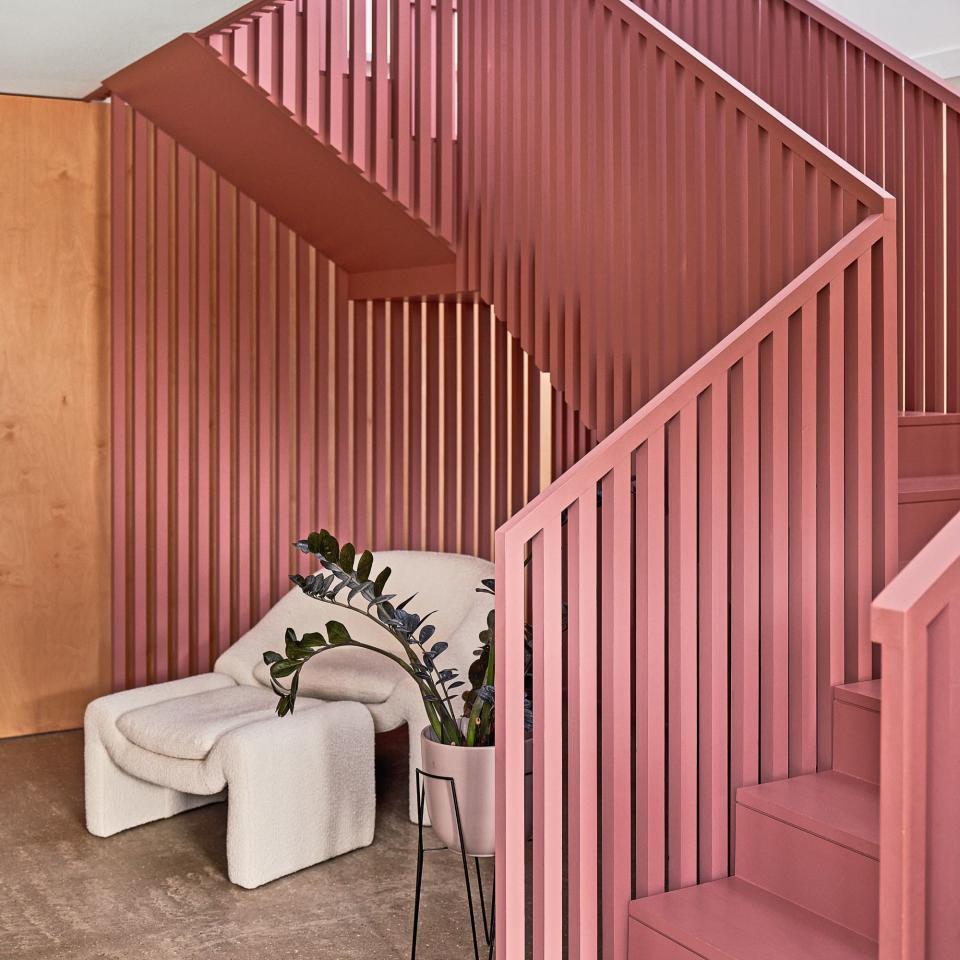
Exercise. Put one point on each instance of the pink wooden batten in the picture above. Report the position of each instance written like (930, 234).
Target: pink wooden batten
(252, 402)
(916, 620)
(761, 481)
(884, 114)
(376, 79)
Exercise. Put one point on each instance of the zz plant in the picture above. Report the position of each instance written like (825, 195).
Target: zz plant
(345, 581)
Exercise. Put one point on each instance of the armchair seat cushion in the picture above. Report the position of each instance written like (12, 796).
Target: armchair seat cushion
(188, 727)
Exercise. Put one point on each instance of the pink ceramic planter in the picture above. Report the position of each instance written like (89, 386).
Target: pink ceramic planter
(473, 772)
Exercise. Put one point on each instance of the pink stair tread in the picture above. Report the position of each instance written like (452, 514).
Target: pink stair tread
(839, 808)
(866, 693)
(734, 920)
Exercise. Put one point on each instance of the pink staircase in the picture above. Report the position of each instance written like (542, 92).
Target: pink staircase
(805, 881)
(735, 302)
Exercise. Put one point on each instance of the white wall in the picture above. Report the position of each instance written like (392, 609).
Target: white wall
(64, 48)
(927, 30)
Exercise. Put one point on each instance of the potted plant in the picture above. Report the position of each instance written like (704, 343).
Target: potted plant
(458, 740)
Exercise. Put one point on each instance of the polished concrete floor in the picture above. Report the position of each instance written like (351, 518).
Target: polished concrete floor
(160, 891)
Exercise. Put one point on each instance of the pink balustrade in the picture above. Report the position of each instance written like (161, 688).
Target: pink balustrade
(700, 579)
(624, 203)
(376, 79)
(916, 620)
(885, 115)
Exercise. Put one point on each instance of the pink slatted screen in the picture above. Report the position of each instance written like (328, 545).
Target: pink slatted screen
(916, 620)
(253, 402)
(376, 79)
(623, 204)
(885, 115)
(699, 580)
(714, 559)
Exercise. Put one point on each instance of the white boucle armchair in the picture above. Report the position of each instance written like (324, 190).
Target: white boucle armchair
(443, 582)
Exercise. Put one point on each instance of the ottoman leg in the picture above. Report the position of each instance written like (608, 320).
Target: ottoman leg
(300, 790)
(115, 800)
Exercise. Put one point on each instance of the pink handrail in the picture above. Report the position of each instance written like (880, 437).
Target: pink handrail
(916, 620)
(885, 115)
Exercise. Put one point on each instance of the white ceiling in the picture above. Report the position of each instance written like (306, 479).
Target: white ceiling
(64, 48)
(927, 30)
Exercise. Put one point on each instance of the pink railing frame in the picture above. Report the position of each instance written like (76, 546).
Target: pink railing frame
(916, 620)
(884, 114)
(746, 513)
(588, 215)
(375, 79)
(749, 482)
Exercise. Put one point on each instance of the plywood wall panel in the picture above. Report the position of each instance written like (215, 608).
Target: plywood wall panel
(54, 413)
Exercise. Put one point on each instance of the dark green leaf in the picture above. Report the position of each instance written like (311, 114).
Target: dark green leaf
(283, 669)
(337, 634)
(271, 656)
(365, 565)
(347, 554)
(313, 640)
(329, 548)
(314, 542)
(381, 580)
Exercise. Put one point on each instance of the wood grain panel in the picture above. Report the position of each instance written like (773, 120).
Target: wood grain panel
(54, 421)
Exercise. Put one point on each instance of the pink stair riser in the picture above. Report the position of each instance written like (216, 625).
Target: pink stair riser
(856, 740)
(822, 876)
(646, 944)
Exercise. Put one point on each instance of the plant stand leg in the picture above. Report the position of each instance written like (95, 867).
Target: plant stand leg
(421, 850)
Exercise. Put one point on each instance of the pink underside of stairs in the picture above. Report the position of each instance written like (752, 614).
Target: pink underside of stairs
(806, 884)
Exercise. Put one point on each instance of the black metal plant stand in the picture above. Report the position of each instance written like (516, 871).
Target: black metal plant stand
(488, 931)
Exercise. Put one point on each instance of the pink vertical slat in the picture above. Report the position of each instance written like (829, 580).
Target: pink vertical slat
(682, 650)
(713, 631)
(200, 659)
(582, 818)
(774, 556)
(402, 74)
(382, 116)
(313, 12)
(336, 68)
(510, 870)
(831, 548)
(744, 577)
(358, 84)
(162, 247)
(141, 318)
(615, 703)
(548, 750)
(650, 668)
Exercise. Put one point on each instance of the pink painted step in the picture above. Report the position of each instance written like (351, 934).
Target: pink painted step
(929, 444)
(814, 841)
(926, 504)
(856, 730)
(736, 920)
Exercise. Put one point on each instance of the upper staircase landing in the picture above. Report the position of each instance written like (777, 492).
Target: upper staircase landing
(212, 109)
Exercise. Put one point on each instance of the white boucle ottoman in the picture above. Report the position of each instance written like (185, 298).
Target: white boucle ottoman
(300, 789)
